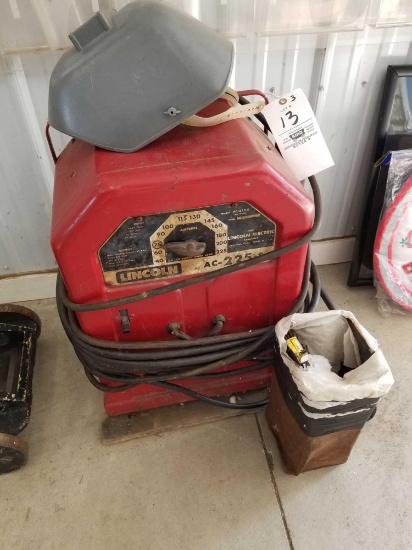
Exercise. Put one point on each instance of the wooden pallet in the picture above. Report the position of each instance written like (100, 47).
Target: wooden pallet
(116, 429)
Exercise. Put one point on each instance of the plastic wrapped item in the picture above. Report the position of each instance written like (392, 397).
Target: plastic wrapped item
(317, 411)
(338, 337)
(400, 170)
(393, 244)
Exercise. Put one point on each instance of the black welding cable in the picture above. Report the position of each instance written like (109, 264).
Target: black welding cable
(115, 368)
(154, 345)
(245, 354)
(93, 369)
(181, 389)
(127, 355)
(94, 363)
(175, 330)
(212, 400)
(92, 351)
(309, 305)
(234, 372)
(128, 382)
(218, 324)
(316, 289)
(134, 380)
(300, 302)
(117, 302)
(137, 366)
(327, 299)
(71, 325)
(79, 335)
(187, 391)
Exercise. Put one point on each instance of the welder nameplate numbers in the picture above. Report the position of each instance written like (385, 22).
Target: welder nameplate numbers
(233, 233)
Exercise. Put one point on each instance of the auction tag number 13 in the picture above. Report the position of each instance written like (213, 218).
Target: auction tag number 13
(298, 135)
(289, 115)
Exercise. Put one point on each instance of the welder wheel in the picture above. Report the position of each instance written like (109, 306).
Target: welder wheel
(13, 312)
(13, 453)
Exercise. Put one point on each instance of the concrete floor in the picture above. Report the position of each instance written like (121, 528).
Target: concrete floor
(209, 487)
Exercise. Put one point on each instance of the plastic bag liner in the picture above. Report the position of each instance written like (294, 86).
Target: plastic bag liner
(320, 399)
(330, 335)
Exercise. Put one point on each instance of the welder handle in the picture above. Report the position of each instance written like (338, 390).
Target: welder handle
(51, 146)
(234, 112)
(186, 249)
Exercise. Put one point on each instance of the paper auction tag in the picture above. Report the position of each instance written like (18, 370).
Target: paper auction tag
(298, 135)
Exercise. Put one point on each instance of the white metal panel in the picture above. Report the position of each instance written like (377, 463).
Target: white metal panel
(342, 73)
(343, 76)
(347, 113)
(25, 177)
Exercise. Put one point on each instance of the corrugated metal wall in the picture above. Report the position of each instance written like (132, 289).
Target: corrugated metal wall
(339, 58)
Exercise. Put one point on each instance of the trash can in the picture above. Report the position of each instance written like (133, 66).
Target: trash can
(318, 407)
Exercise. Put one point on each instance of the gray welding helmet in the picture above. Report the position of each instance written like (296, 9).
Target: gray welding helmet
(136, 73)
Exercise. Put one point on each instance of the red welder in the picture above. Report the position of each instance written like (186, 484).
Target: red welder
(196, 204)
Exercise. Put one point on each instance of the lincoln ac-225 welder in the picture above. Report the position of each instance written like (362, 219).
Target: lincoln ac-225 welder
(180, 233)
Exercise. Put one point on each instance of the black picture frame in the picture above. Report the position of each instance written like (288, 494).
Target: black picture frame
(389, 136)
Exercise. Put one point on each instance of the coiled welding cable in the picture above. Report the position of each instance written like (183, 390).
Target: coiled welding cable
(127, 364)
(116, 362)
(98, 306)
